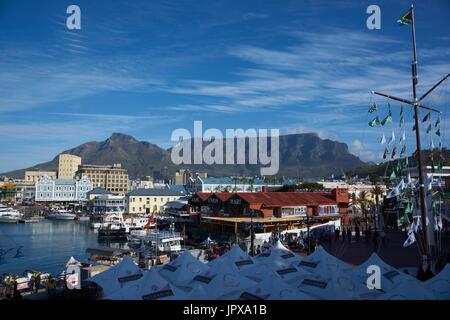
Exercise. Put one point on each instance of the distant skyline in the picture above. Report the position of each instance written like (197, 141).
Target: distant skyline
(146, 68)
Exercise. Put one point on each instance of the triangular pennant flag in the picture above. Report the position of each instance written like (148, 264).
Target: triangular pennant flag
(393, 176)
(374, 122)
(411, 238)
(373, 107)
(401, 121)
(386, 120)
(394, 152)
(429, 128)
(427, 117)
(438, 121)
(406, 18)
(403, 150)
(389, 109)
(414, 128)
(383, 139)
(392, 138)
(438, 132)
(403, 138)
(401, 111)
(432, 144)
(386, 152)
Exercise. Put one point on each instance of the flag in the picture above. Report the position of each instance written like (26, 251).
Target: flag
(438, 121)
(386, 152)
(411, 238)
(394, 152)
(373, 107)
(438, 132)
(392, 138)
(403, 150)
(403, 138)
(401, 110)
(414, 128)
(374, 122)
(383, 139)
(429, 128)
(386, 120)
(406, 18)
(408, 180)
(427, 117)
(393, 176)
(401, 121)
(432, 144)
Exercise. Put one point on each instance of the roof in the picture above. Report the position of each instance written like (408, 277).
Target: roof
(277, 199)
(178, 187)
(154, 192)
(98, 191)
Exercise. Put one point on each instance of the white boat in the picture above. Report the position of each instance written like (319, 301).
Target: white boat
(162, 241)
(131, 223)
(9, 215)
(61, 214)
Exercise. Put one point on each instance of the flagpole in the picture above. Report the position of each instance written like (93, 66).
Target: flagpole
(419, 155)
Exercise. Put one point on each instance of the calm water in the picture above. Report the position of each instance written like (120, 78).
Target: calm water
(46, 245)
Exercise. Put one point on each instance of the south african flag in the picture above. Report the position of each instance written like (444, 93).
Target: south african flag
(406, 18)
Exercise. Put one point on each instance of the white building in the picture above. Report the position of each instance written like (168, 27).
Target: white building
(212, 184)
(62, 190)
(109, 202)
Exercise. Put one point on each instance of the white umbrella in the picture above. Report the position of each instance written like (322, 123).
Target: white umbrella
(440, 284)
(117, 276)
(150, 287)
(408, 290)
(236, 258)
(183, 269)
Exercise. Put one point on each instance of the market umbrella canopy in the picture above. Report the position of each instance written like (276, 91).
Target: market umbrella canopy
(150, 287)
(183, 269)
(276, 252)
(321, 261)
(440, 284)
(390, 276)
(271, 288)
(223, 281)
(117, 276)
(410, 289)
(236, 258)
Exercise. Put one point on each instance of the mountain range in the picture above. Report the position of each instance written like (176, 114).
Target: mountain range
(301, 155)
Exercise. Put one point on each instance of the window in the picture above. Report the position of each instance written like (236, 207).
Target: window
(332, 209)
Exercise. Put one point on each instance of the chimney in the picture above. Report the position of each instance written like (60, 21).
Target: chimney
(264, 189)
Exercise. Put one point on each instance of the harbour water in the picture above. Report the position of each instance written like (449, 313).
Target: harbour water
(46, 246)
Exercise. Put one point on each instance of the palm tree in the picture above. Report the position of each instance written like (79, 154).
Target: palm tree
(235, 181)
(363, 202)
(251, 181)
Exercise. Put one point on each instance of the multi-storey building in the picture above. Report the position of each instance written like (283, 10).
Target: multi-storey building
(68, 166)
(112, 178)
(62, 190)
(35, 175)
(149, 200)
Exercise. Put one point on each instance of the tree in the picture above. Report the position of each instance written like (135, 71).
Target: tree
(377, 191)
(311, 186)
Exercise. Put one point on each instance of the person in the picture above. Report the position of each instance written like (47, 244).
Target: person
(16, 292)
(357, 233)
(37, 282)
(349, 234)
(336, 233)
(51, 287)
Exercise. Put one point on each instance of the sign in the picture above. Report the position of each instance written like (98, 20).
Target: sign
(308, 264)
(288, 255)
(314, 283)
(129, 278)
(286, 271)
(202, 279)
(170, 268)
(243, 262)
(248, 296)
(158, 295)
(257, 226)
(391, 274)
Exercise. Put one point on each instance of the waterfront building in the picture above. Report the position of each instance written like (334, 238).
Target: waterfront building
(8, 191)
(112, 178)
(68, 166)
(25, 191)
(229, 184)
(91, 195)
(140, 184)
(270, 211)
(109, 202)
(142, 201)
(62, 190)
(35, 175)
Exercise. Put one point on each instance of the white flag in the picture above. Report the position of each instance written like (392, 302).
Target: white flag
(408, 180)
(432, 144)
(383, 139)
(403, 138)
(392, 138)
(411, 237)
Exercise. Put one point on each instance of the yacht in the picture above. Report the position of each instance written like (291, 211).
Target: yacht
(9, 215)
(157, 240)
(61, 214)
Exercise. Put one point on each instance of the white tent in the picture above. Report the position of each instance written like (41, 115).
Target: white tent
(260, 271)
(208, 241)
(198, 293)
(183, 269)
(390, 276)
(117, 276)
(236, 259)
(150, 287)
(271, 288)
(73, 262)
(440, 284)
(279, 251)
(222, 281)
(321, 261)
(410, 289)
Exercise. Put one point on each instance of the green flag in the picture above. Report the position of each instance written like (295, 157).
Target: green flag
(403, 150)
(406, 18)
(438, 121)
(401, 121)
(394, 152)
(429, 128)
(438, 132)
(373, 107)
(427, 117)
(401, 110)
(374, 122)
(386, 120)
(393, 176)
(386, 152)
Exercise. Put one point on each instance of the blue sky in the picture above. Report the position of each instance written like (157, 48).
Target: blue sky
(146, 68)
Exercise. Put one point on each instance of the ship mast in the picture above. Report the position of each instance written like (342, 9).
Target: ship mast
(415, 103)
